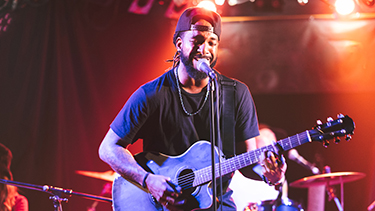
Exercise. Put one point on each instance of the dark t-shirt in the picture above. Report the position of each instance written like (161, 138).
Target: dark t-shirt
(154, 113)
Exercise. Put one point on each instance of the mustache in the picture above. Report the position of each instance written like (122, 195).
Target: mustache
(200, 56)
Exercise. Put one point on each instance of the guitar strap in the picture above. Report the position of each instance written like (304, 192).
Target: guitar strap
(228, 88)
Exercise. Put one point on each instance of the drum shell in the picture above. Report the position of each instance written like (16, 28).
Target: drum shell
(277, 205)
(289, 205)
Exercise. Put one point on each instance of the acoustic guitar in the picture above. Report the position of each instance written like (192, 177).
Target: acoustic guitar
(192, 169)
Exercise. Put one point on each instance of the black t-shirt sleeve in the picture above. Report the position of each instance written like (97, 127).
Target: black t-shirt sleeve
(131, 117)
(246, 116)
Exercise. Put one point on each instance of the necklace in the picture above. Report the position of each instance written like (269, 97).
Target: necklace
(182, 101)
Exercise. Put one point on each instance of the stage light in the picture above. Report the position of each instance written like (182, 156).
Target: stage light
(235, 2)
(219, 2)
(141, 7)
(208, 5)
(4, 22)
(303, 2)
(232, 2)
(344, 7)
(365, 4)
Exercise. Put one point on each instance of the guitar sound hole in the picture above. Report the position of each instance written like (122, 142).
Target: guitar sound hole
(185, 181)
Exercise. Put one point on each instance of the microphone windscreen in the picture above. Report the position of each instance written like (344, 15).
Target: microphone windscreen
(293, 154)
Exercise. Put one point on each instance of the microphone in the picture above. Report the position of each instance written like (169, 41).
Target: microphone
(57, 190)
(204, 66)
(293, 155)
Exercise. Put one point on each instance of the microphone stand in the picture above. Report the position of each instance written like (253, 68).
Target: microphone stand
(215, 134)
(56, 192)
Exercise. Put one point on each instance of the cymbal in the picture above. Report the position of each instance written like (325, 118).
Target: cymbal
(107, 175)
(328, 178)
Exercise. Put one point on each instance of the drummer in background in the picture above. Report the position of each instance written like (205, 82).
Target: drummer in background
(10, 199)
(247, 193)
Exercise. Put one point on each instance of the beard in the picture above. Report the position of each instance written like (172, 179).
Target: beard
(192, 72)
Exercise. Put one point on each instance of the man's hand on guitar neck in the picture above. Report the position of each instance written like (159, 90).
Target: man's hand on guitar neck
(164, 191)
(274, 168)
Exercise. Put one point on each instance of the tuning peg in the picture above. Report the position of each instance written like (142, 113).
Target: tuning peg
(340, 115)
(325, 143)
(319, 122)
(329, 119)
(348, 137)
(337, 140)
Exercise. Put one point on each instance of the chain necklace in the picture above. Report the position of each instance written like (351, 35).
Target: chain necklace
(182, 101)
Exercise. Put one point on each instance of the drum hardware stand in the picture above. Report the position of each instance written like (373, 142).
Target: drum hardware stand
(107, 189)
(331, 191)
(56, 193)
(332, 195)
(328, 179)
(371, 206)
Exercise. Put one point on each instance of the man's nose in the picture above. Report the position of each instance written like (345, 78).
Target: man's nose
(203, 49)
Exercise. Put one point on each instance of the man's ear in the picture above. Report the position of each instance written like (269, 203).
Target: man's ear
(178, 43)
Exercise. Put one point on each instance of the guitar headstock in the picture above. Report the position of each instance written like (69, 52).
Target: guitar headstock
(333, 129)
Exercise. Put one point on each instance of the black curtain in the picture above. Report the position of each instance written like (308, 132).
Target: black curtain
(65, 73)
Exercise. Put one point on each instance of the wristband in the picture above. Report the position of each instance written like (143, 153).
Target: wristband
(144, 180)
(273, 184)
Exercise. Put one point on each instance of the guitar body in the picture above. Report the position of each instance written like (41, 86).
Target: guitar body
(128, 195)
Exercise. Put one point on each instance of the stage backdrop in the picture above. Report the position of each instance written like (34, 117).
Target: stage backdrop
(67, 68)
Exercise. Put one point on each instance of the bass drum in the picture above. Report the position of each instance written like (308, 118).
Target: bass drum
(289, 205)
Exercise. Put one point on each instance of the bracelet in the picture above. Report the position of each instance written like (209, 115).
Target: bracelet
(144, 180)
(281, 181)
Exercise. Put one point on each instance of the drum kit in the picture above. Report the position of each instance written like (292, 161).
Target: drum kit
(284, 204)
(326, 179)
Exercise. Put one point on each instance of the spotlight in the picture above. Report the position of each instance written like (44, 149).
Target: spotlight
(235, 2)
(219, 2)
(303, 2)
(208, 5)
(4, 22)
(344, 7)
(368, 3)
(141, 7)
(365, 3)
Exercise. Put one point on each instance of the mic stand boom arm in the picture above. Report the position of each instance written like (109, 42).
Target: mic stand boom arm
(56, 192)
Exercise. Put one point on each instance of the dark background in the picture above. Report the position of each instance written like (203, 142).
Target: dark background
(67, 67)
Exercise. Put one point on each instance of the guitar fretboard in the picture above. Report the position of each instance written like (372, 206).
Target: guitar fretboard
(248, 158)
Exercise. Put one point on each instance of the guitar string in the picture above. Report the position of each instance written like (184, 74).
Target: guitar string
(187, 180)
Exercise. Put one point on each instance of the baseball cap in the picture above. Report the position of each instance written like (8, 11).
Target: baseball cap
(192, 15)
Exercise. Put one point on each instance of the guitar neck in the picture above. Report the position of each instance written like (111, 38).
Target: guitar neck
(248, 158)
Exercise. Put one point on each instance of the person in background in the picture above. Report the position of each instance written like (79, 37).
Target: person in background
(10, 198)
